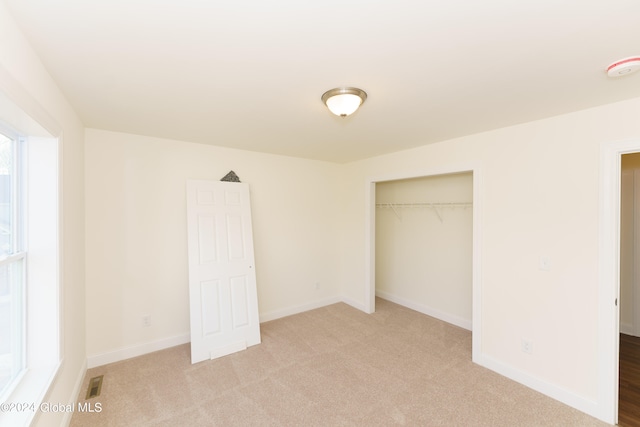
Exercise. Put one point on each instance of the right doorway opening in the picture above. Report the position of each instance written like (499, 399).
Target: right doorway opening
(629, 350)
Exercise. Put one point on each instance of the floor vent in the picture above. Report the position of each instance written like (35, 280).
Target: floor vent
(95, 385)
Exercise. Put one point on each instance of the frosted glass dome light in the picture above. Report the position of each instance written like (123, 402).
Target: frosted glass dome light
(344, 101)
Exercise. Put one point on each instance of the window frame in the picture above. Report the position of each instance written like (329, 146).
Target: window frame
(17, 257)
(43, 345)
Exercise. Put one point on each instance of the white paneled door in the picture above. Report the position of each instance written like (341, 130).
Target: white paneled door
(222, 279)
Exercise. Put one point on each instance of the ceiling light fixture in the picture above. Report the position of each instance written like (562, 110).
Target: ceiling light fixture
(344, 101)
(624, 66)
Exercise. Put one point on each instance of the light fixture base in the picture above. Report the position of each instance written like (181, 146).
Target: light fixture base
(343, 101)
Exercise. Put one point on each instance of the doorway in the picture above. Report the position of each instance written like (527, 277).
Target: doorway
(609, 276)
(630, 244)
(629, 348)
(370, 241)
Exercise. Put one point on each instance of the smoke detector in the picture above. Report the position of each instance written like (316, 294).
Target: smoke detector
(624, 66)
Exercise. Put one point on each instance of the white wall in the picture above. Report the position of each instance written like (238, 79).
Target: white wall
(424, 260)
(539, 197)
(24, 80)
(137, 240)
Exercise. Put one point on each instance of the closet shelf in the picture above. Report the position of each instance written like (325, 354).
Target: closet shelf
(425, 205)
(435, 206)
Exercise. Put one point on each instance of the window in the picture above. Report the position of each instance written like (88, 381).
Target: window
(12, 261)
(30, 269)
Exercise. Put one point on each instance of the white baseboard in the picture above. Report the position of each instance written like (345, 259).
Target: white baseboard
(429, 311)
(66, 420)
(627, 328)
(567, 397)
(136, 350)
(353, 303)
(273, 315)
(149, 347)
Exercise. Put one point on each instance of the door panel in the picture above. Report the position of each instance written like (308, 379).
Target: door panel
(210, 306)
(239, 301)
(235, 243)
(222, 280)
(206, 239)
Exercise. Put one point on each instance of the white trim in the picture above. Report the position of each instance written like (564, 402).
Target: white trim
(429, 311)
(609, 276)
(162, 344)
(12, 258)
(476, 316)
(635, 288)
(580, 403)
(43, 124)
(60, 294)
(66, 419)
(29, 118)
(33, 388)
(136, 350)
(370, 202)
(273, 315)
(353, 303)
(627, 328)
(369, 241)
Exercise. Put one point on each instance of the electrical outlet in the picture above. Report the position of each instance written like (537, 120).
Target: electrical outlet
(527, 346)
(146, 321)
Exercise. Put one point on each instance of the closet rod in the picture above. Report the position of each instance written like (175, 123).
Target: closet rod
(424, 205)
(435, 206)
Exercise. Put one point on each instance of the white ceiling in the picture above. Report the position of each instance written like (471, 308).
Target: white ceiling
(249, 74)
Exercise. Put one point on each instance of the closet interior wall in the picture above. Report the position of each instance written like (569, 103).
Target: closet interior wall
(424, 245)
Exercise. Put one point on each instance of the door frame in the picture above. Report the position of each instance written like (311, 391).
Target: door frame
(370, 245)
(609, 275)
(633, 299)
(636, 250)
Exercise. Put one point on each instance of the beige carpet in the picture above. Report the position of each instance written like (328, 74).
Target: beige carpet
(333, 366)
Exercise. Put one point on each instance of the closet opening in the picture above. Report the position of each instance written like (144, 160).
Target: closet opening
(423, 242)
(629, 299)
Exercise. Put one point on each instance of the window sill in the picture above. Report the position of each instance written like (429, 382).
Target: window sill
(26, 400)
